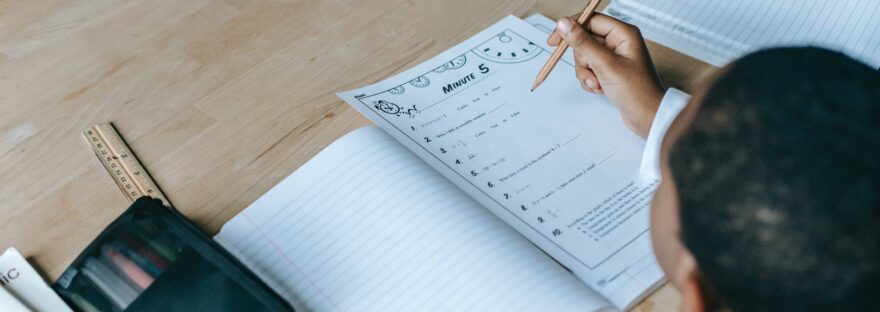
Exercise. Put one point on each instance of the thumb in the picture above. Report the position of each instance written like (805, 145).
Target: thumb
(588, 52)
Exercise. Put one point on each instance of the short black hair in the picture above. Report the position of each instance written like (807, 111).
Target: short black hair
(779, 183)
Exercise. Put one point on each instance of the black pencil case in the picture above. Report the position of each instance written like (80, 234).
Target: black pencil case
(152, 258)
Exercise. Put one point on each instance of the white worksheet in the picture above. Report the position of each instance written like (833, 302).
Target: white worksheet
(557, 165)
(718, 32)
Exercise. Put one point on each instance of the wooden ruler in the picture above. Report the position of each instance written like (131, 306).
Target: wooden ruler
(122, 165)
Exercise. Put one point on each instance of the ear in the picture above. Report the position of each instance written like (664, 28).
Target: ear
(692, 299)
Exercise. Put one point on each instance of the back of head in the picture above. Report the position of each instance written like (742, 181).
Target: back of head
(779, 183)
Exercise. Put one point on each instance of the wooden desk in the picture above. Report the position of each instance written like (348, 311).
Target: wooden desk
(219, 99)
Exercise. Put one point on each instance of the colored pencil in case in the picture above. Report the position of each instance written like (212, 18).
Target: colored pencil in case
(129, 269)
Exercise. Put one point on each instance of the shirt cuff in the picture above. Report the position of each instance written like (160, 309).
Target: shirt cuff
(673, 102)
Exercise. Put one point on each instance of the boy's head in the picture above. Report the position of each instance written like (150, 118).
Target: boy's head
(771, 187)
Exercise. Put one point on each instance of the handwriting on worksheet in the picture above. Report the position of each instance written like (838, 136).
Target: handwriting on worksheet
(557, 164)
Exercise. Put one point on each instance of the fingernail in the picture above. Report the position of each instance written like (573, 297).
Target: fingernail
(591, 84)
(586, 87)
(564, 25)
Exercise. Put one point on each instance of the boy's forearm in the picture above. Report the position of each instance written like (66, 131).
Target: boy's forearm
(644, 120)
(639, 114)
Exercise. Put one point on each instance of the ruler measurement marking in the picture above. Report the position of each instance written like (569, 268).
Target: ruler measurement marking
(114, 165)
(117, 157)
(99, 145)
(121, 163)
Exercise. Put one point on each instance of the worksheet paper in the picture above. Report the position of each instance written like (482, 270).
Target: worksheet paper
(557, 164)
(542, 23)
(718, 32)
(368, 226)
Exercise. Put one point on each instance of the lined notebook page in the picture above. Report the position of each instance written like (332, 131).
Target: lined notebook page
(718, 32)
(368, 226)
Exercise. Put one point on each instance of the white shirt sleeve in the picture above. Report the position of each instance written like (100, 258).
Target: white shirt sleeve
(670, 106)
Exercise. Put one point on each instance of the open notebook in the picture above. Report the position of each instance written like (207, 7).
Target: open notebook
(718, 32)
(470, 194)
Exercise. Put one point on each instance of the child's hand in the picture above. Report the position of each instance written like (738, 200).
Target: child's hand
(612, 58)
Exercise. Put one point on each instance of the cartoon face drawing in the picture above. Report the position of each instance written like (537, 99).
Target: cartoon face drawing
(394, 109)
(508, 47)
(420, 82)
(387, 107)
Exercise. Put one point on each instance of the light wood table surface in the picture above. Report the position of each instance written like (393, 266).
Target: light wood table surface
(220, 99)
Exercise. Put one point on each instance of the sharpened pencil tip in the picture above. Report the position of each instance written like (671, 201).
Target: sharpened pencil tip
(535, 86)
